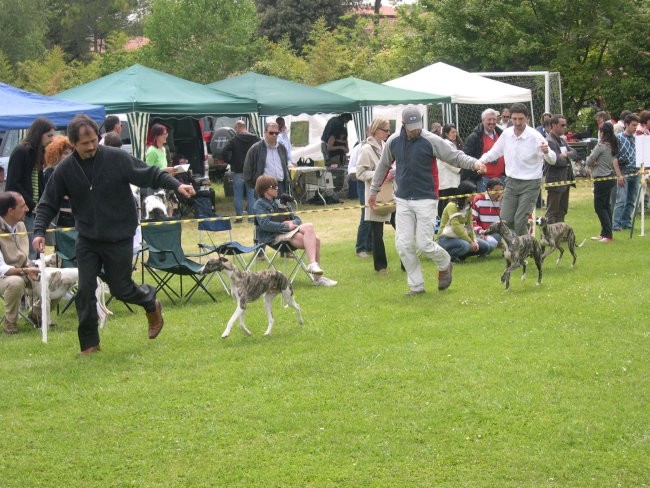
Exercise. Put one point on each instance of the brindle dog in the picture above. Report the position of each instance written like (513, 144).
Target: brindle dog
(518, 248)
(246, 287)
(553, 235)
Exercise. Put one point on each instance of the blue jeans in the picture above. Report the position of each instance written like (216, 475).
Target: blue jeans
(29, 221)
(364, 232)
(625, 203)
(459, 248)
(241, 191)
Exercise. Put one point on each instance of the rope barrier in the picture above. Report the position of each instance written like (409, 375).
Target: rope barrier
(332, 209)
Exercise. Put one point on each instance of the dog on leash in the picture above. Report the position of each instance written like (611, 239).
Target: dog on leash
(517, 249)
(553, 235)
(246, 287)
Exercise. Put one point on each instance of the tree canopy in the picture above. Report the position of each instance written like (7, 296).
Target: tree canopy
(201, 40)
(598, 46)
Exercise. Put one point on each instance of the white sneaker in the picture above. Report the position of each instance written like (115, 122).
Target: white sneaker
(314, 269)
(322, 281)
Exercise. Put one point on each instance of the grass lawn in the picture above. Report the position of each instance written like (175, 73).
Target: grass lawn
(471, 387)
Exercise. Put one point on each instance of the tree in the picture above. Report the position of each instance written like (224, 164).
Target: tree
(201, 40)
(48, 74)
(23, 24)
(295, 18)
(582, 39)
(6, 69)
(81, 27)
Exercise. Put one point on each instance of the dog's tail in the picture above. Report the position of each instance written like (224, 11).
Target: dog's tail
(583, 241)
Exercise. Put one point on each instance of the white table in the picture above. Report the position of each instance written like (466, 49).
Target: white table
(309, 179)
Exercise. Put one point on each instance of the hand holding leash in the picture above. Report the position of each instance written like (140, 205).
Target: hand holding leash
(39, 244)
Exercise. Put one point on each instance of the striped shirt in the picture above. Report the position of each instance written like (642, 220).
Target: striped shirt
(485, 211)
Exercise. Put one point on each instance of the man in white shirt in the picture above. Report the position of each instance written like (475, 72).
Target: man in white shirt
(111, 124)
(284, 138)
(524, 150)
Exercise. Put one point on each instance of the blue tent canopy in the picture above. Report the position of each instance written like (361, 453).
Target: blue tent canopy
(19, 108)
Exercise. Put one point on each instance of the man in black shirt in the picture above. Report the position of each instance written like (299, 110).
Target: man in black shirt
(97, 180)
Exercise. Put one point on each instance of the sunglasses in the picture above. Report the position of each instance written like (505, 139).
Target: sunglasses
(273, 133)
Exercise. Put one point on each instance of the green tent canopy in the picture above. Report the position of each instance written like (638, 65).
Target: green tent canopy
(142, 89)
(139, 91)
(282, 97)
(368, 93)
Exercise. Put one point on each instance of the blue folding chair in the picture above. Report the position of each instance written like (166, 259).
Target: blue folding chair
(211, 226)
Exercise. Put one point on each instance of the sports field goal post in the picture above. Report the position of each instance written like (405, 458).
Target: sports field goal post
(545, 87)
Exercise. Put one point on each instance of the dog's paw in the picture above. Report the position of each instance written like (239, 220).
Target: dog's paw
(224, 335)
(523, 277)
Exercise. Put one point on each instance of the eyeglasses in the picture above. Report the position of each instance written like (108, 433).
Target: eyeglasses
(385, 130)
(273, 133)
(273, 187)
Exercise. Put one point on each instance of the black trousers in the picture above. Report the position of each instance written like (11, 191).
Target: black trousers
(378, 248)
(114, 261)
(602, 205)
(557, 205)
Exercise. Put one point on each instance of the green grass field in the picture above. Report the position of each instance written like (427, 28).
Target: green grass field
(472, 387)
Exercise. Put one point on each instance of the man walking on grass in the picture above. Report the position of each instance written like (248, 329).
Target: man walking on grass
(414, 150)
(97, 180)
(524, 150)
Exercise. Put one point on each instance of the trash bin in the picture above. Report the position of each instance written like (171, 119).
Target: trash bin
(227, 184)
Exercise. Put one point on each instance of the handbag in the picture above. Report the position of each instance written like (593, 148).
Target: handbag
(385, 196)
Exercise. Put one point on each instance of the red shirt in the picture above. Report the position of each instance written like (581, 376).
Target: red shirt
(493, 170)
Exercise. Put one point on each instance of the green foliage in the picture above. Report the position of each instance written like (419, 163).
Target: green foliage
(23, 24)
(6, 69)
(593, 44)
(48, 75)
(81, 27)
(296, 18)
(201, 40)
(280, 60)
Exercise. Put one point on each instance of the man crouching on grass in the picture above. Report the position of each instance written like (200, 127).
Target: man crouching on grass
(97, 180)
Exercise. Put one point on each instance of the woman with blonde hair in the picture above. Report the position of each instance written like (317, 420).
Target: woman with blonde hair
(369, 155)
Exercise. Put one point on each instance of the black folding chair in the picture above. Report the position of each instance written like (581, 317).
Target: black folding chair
(166, 259)
(65, 246)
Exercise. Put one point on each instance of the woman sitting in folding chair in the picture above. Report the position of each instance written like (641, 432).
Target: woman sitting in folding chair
(276, 229)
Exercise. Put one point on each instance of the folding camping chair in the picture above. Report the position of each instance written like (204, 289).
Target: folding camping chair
(209, 229)
(167, 259)
(65, 244)
(275, 250)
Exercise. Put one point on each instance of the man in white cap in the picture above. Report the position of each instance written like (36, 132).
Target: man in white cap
(414, 151)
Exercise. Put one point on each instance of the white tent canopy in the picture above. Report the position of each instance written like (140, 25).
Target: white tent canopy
(461, 86)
